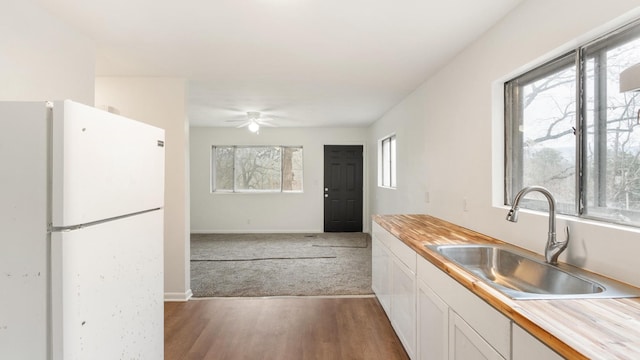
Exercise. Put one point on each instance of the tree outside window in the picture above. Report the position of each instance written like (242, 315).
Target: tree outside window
(257, 169)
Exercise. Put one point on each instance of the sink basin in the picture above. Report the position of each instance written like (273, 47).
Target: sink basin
(522, 276)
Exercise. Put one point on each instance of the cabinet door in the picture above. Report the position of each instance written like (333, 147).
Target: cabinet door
(403, 305)
(381, 273)
(433, 325)
(490, 324)
(466, 344)
(526, 347)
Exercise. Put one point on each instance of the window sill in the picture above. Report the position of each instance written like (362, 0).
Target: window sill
(572, 219)
(223, 193)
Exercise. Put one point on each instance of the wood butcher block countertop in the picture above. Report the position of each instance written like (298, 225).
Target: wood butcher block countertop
(576, 329)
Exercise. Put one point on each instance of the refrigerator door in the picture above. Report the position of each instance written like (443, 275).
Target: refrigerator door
(104, 165)
(107, 290)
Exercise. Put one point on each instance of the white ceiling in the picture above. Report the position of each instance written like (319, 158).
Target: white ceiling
(299, 62)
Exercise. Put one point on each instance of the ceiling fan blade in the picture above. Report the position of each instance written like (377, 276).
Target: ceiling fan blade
(252, 116)
(266, 121)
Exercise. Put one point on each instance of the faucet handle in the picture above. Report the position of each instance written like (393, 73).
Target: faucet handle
(554, 247)
(567, 235)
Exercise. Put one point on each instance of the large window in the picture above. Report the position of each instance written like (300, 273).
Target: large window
(256, 169)
(570, 129)
(387, 163)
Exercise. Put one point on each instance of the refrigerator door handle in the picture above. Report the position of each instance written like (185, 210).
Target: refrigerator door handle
(52, 228)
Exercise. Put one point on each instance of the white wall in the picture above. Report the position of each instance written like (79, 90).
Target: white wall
(450, 135)
(161, 102)
(302, 212)
(42, 58)
(411, 149)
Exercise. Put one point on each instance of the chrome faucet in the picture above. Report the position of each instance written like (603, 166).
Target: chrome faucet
(553, 248)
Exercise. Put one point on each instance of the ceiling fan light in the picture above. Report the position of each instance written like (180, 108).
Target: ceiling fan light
(253, 126)
(253, 115)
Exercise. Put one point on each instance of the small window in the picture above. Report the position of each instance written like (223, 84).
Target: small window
(256, 169)
(387, 165)
(570, 129)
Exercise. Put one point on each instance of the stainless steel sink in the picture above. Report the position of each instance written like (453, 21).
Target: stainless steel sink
(523, 276)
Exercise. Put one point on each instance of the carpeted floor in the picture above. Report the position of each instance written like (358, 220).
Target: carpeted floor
(253, 265)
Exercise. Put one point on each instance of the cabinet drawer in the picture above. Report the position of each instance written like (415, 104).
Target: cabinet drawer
(526, 347)
(490, 324)
(401, 250)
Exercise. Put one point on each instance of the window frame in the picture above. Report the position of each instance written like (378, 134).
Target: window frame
(212, 171)
(629, 32)
(513, 144)
(391, 162)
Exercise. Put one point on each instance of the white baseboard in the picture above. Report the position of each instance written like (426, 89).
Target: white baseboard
(289, 297)
(178, 297)
(254, 231)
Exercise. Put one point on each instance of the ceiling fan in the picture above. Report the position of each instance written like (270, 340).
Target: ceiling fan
(253, 121)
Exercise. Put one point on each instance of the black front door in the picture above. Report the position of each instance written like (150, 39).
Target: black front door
(343, 188)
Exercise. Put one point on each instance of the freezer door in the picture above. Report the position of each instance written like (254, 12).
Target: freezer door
(104, 165)
(107, 290)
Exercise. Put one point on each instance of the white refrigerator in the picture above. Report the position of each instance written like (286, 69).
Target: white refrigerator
(81, 234)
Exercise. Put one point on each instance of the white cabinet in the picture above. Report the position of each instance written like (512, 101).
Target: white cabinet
(466, 344)
(433, 325)
(453, 323)
(381, 273)
(394, 283)
(526, 347)
(403, 305)
(491, 326)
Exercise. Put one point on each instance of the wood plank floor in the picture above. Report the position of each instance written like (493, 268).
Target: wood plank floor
(280, 328)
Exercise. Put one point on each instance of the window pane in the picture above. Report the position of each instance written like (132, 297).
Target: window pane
(544, 126)
(292, 169)
(392, 159)
(257, 168)
(223, 173)
(612, 136)
(386, 164)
